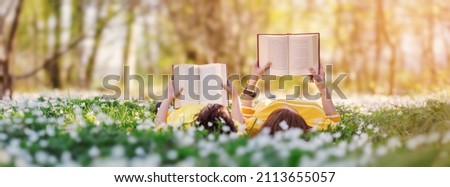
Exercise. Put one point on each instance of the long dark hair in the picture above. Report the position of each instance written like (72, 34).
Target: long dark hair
(213, 117)
(292, 119)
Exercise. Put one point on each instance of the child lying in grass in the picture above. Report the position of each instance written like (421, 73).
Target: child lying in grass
(276, 115)
(282, 114)
(212, 117)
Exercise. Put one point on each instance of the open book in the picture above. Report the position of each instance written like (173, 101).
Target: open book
(201, 84)
(290, 54)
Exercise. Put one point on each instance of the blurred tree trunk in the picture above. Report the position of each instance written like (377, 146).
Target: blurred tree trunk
(100, 24)
(393, 59)
(392, 67)
(53, 69)
(447, 51)
(379, 27)
(340, 51)
(190, 31)
(216, 31)
(6, 78)
(392, 39)
(151, 66)
(77, 29)
(130, 17)
(36, 45)
(429, 50)
(355, 49)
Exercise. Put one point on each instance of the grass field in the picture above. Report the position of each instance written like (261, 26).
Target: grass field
(375, 131)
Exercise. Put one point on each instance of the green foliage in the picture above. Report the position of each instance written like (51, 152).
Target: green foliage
(93, 132)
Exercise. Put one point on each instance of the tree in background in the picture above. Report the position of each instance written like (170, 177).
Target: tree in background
(74, 75)
(216, 31)
(7, 45)
(53, 68)
(101, 22)
(387, 47)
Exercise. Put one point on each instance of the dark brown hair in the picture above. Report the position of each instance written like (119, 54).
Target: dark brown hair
(216, 114)
(292, 119)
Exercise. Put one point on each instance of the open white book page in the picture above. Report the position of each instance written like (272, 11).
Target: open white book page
(190, 93)
(212, 76)
(303, 53)
(274, 49)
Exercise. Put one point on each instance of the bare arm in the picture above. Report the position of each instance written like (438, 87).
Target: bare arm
(256, 74)
(236, 112)
(161, 115)
(327, 102)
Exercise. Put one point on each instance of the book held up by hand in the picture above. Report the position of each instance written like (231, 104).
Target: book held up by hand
(290, 54)
(202, 84)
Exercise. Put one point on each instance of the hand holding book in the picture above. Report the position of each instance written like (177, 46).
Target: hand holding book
(257, 70)
(318, 78)
(171, 94)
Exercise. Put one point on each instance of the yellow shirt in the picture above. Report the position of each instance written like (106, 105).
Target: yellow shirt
(311, 112)
(184, 114)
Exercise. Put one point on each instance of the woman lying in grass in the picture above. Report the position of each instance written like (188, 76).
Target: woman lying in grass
(282, 114)
(212, 117)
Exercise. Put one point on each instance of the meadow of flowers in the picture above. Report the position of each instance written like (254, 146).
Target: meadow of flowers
(58, 130)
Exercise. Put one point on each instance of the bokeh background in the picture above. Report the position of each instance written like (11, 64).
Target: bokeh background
(385, 47)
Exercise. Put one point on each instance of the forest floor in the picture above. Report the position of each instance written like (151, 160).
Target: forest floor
(60, 130)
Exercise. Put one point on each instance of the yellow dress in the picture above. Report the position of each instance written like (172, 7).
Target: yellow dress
(311, 112)
(185, 114)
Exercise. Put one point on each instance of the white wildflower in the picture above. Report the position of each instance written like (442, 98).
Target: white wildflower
(222, 120)
(41, 157)
(283, 124)
(50, 130)
(393, 143)
(265, 131)
(257, 157)
(3, 136)
(117, 151)
(172, 155)
(240, 151)
(225, 128)
(43, 143)
(223, 138)
(187, 162)
(376, 130)
(66, 157)
(433, 137)
(28, 121)
(139, 151)
(94, 152)
(446, 138)
(52, 160)
(337, 135)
